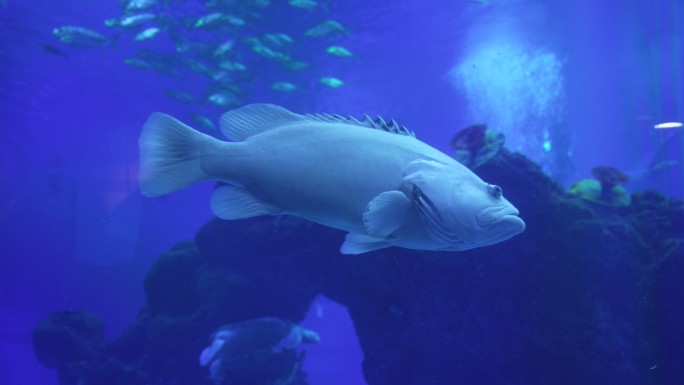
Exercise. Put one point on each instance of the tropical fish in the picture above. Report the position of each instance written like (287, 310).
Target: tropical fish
(337, 50)
(370, 178)
(234, 66)
(295, 65)
(147, 59)
(147, 34)
(139, 5)
(80, 37)
(204, 123)
(216, 18)
(223, 48)
(220, 3)
(303, 4)
(198, 67)
(180, 96)
(234, 20)
(270, 54)
(331, 82)
(327, 27)
(139, 63)
(259, 3)
(209, 19)
(137, 19)
(283, 86)
(223, 99)
(277, 40)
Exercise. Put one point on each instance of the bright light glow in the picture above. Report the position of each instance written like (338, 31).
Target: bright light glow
(516, 89)
(668, 125)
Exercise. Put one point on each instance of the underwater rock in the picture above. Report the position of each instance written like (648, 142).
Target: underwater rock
(170, 286)
(546, 307)
(69, 341)
(275, 264)
(587, 295)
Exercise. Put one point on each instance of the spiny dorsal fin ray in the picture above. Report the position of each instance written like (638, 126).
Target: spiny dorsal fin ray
(251, 119)
(378, 123)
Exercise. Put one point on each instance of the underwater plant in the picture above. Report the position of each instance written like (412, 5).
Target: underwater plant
(605, 189)
(475, 145)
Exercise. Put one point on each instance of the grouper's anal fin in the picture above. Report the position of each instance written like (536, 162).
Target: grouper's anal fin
(355, 243)
(232, 202)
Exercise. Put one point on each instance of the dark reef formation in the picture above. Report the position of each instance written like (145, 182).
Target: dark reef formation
(588, 294)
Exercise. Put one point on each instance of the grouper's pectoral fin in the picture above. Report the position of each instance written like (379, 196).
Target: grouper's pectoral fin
(385, 213)
(232, 202)
(355, 243)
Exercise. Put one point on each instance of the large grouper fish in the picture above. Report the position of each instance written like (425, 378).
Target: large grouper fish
(370, 178)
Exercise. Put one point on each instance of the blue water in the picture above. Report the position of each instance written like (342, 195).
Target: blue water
(571, 84)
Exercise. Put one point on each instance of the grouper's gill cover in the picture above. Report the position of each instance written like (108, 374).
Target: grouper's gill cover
(370, 178)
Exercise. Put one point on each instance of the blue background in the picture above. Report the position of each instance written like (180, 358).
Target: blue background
(76, 233)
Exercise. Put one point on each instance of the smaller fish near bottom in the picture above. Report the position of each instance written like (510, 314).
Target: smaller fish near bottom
(243, 349)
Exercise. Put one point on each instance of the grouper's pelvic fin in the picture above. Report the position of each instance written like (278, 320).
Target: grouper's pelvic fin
(170, 155)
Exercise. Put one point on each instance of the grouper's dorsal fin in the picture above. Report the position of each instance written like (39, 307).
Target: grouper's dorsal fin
(241, 123)
(378, 123)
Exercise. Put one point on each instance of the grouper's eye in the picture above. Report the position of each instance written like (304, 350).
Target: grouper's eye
(494, 191)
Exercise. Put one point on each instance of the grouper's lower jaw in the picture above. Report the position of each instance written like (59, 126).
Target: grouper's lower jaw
(508, 226)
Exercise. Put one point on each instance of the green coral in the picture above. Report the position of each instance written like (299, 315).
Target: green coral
(590, 189)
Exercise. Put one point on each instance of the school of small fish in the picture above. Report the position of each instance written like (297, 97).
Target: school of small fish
(233, 46)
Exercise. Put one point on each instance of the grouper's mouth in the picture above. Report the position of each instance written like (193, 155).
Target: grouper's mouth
(504, 219)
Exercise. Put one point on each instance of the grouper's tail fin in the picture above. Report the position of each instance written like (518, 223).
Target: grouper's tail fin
(170, 155)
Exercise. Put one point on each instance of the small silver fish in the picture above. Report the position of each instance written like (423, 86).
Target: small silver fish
(180, 96)
(327, 27)
(337, 50)
(80, 37)
(147, 34)
(303, 4)
(223, 99)
(140, 5)
(233, 66)
(209, 19)
(283, 86)
(137, 19)
(331, 82)
(223, 48)
(203, 122)
(295, 65)
(277, 40)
